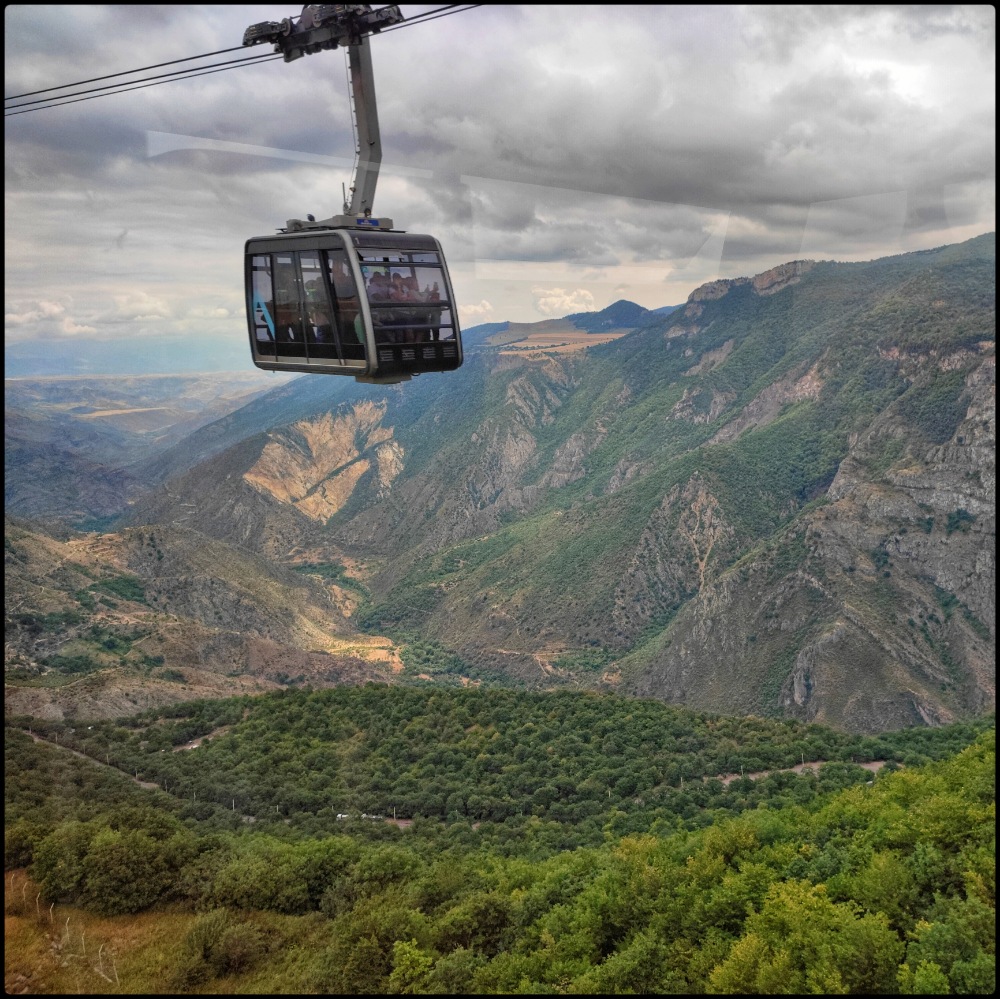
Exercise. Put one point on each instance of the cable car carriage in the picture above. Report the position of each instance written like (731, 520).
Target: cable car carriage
(348, 295)
(367, 301)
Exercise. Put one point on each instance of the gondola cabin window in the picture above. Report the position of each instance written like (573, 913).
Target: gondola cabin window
(334, 303)
(288, 321)
(305, 309)
(262, 307)
(405, 299)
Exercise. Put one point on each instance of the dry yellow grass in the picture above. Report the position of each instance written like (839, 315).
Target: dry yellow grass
(559, 341)
(65, 950)
(140, 954)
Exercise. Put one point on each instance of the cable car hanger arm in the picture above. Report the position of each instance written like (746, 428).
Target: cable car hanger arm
(329, 26)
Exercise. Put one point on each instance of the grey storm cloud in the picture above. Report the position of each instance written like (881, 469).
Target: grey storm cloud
(585, 139)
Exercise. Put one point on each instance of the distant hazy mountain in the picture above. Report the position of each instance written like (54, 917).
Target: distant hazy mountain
(778, 498)
(76, 447)
(141, 355)
(63, 468)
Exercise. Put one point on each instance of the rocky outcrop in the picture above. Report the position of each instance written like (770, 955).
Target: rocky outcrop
(711, 359)
(315, 465)
(769, 282)
(713, 290)
(623, 473)
(684, 538)
(568, 462)
(701, 405)
(766, 283)
(768, 404)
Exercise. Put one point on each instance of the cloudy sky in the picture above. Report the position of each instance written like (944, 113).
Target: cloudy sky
(565, 156)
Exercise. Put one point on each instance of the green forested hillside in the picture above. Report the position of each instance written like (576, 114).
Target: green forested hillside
(583, 764)
(826, 439)
(845, 882)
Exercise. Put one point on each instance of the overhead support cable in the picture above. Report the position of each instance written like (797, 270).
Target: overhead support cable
(126, 72)
(433, 15)
(108, 90)
(181, 74)
(124, 88)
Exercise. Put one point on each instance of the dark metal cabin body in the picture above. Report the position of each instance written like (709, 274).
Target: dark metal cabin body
(373, 304)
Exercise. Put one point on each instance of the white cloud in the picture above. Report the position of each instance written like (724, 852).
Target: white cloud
(29, 315)
(140, 306)
(72, 329)
(479, 313)
(217, 312)
(560, 302)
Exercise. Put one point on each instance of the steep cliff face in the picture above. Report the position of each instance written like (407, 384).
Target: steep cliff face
(489, 471)
(944, 495)
(766, 283)
(315, 465)
(273, 492)
(886, 615)
(684, 542)
(765, 407)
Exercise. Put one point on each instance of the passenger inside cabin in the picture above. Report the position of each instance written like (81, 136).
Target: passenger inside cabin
(434, 315)
(321, 328)
(379, 287)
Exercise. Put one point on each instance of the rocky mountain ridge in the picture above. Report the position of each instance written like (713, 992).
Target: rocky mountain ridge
(778, 498)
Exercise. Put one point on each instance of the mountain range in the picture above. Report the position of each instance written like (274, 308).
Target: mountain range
(777, 498)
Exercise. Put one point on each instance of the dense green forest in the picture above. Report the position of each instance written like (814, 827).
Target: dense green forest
(560, 843)
(577, 761)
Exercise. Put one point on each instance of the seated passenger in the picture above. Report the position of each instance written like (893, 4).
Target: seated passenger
(379, 291)
(320, 327)
(401, 318)
(378, 287)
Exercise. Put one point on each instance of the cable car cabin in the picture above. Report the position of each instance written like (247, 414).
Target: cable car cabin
(375, 305)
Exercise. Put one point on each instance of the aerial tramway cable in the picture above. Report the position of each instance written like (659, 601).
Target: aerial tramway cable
(179, 74)
(110, 89)
(126, 72)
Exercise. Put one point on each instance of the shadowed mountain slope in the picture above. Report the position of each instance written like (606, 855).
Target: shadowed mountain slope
(76, 447)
